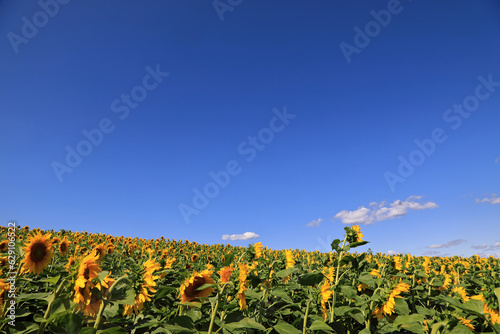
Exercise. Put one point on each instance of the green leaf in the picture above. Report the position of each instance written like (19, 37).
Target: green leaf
(36, 295)
(285, 328)
(357, 315)
(178, 329)
(357, 244)
(367, 279)
(406, 319)
(497, 293)
(243, 323)
(70, 323)
(183, 321)
(414, 327)
(425, 311)
(348, 291)
(460, 329)
(111, 310)
(311, 279)
(347, 259)
(335, 245)
(102, 274)
(474, 306)
(401, 306)
(320, 325)
(341, 310)
(286, 272)
(123, 293)
(228, 259)
(280, 293)
(51, 280)
(365, 331)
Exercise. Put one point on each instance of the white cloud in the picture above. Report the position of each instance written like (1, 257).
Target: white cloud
(391, 252)
(497, 160)
(479, 246)
(314, 223)
(495, 245)
(244, 236)
(382, 211)
(359, 216)
(494, 199)
(448, 244)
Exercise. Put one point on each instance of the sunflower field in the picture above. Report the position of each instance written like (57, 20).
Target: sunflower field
(74, 282)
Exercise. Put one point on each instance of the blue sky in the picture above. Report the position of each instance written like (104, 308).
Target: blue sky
(243, 121)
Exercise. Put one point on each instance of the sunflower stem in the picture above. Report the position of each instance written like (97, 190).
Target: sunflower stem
(337, 278)
(44, 324)
(105, 302)
(214, 309)
(305, 316)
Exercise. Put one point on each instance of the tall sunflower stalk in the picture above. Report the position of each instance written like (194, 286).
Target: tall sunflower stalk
(353, 238)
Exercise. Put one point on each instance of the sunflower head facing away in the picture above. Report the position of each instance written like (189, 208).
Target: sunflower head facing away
(38, 253)
(354, 234)
(189, 289)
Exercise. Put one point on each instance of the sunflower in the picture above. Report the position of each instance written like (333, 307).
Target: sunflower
(390, 304)
(326, 293)
(194, 257)
(4, 245)
(87, 271)
(169, 262)
(109, 249)
(189, 289)
(85, 295)
(225, 274)
(461, 292)
(94, 301)
(397, 263)
(289, 258)
(99, 251)
(146, 286)
(242, 278)
(38, 253)
(375, 273)
(258, 250)
(64, 247)
(446, 284)
(359, 234)
(4, 287)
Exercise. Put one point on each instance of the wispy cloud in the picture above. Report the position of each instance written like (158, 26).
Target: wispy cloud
(244, 236)
(486, 247)
(497, 160)
(314, 223)
(493, 199)
(383, 211)
(448, 244)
